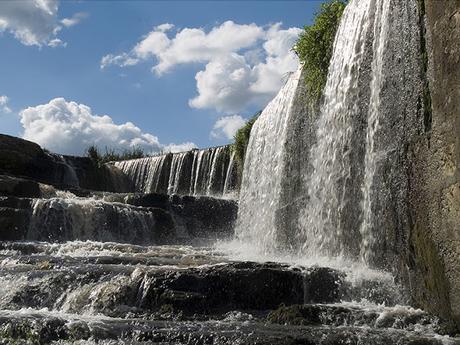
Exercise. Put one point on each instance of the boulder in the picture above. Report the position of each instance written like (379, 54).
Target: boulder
(15, 216)
(15, 186)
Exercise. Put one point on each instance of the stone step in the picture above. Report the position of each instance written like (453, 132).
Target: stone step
(148, 219)
(43, 327)
(113, 279)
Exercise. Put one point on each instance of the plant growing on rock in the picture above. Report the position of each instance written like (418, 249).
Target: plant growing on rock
(110, 154)
(315, 44)
(241, 140)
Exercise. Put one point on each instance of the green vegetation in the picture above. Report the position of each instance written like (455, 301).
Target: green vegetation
(110, 154)
(241, 140)
(315, 44)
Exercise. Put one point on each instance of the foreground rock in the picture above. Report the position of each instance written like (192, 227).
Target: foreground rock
(46, 328)
(111, 293)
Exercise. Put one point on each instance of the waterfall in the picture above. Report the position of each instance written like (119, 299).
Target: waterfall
(178, 172)
(371, 156)
(71, 218)
(231, 183)
(148, 174)
(348, 195)
(331, 157)
(197, 172)
(263, 170)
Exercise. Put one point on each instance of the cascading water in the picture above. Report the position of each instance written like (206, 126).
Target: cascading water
(263, 170)
(354, 171)
(70, 218)
(197, 172)
(331, 157)
(148, 174)
(178, 173)
(381, 28)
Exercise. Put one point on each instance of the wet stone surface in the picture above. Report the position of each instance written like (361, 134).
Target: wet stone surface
(111, 293)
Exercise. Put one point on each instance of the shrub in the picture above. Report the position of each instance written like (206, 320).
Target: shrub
(111, 154)
(241, 140)
(315, 44)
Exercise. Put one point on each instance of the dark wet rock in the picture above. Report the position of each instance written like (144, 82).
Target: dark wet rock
(149, 219)
(42, 328)
(23, 158)
(115, 290)
(14, 186)
(340, 315)
(15, 215)
(199, 217)
(105, 177)
(241, 286)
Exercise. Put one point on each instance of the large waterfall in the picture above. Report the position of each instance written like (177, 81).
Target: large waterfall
(198, 172)
(354, 175)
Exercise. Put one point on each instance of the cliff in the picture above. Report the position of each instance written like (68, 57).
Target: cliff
(434, 170)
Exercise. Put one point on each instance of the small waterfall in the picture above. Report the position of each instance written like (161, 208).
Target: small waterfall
(70, 176)
(149, 175)
(64, 173)
(231, 182)
(197, 172)
(178, 174)
(71, 218)
(263, 171)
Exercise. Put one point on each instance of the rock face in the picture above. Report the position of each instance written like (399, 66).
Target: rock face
(147, 219)
(198, 217)
(23, 158)
(434, 170)
(14, 186)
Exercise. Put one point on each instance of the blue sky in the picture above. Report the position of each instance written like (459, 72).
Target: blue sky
(193, 80)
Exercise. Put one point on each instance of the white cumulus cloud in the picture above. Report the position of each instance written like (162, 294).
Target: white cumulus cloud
(69, 128)
(244, 64)
(227, 126)
(34, 22)
(179, 147)
(4, 104)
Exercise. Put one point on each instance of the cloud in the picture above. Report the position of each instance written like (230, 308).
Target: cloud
(34, 22)
(164, 27)
(244, 64)
(191, 45)
(4, 104)
(56, 42)
(69, 128)
(224, 84)
(74, 20)
(179, 147)
(227, 126)
(122, 60)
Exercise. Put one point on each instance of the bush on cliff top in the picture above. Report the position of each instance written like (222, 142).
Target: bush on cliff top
(111, 155)
(315, 44)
